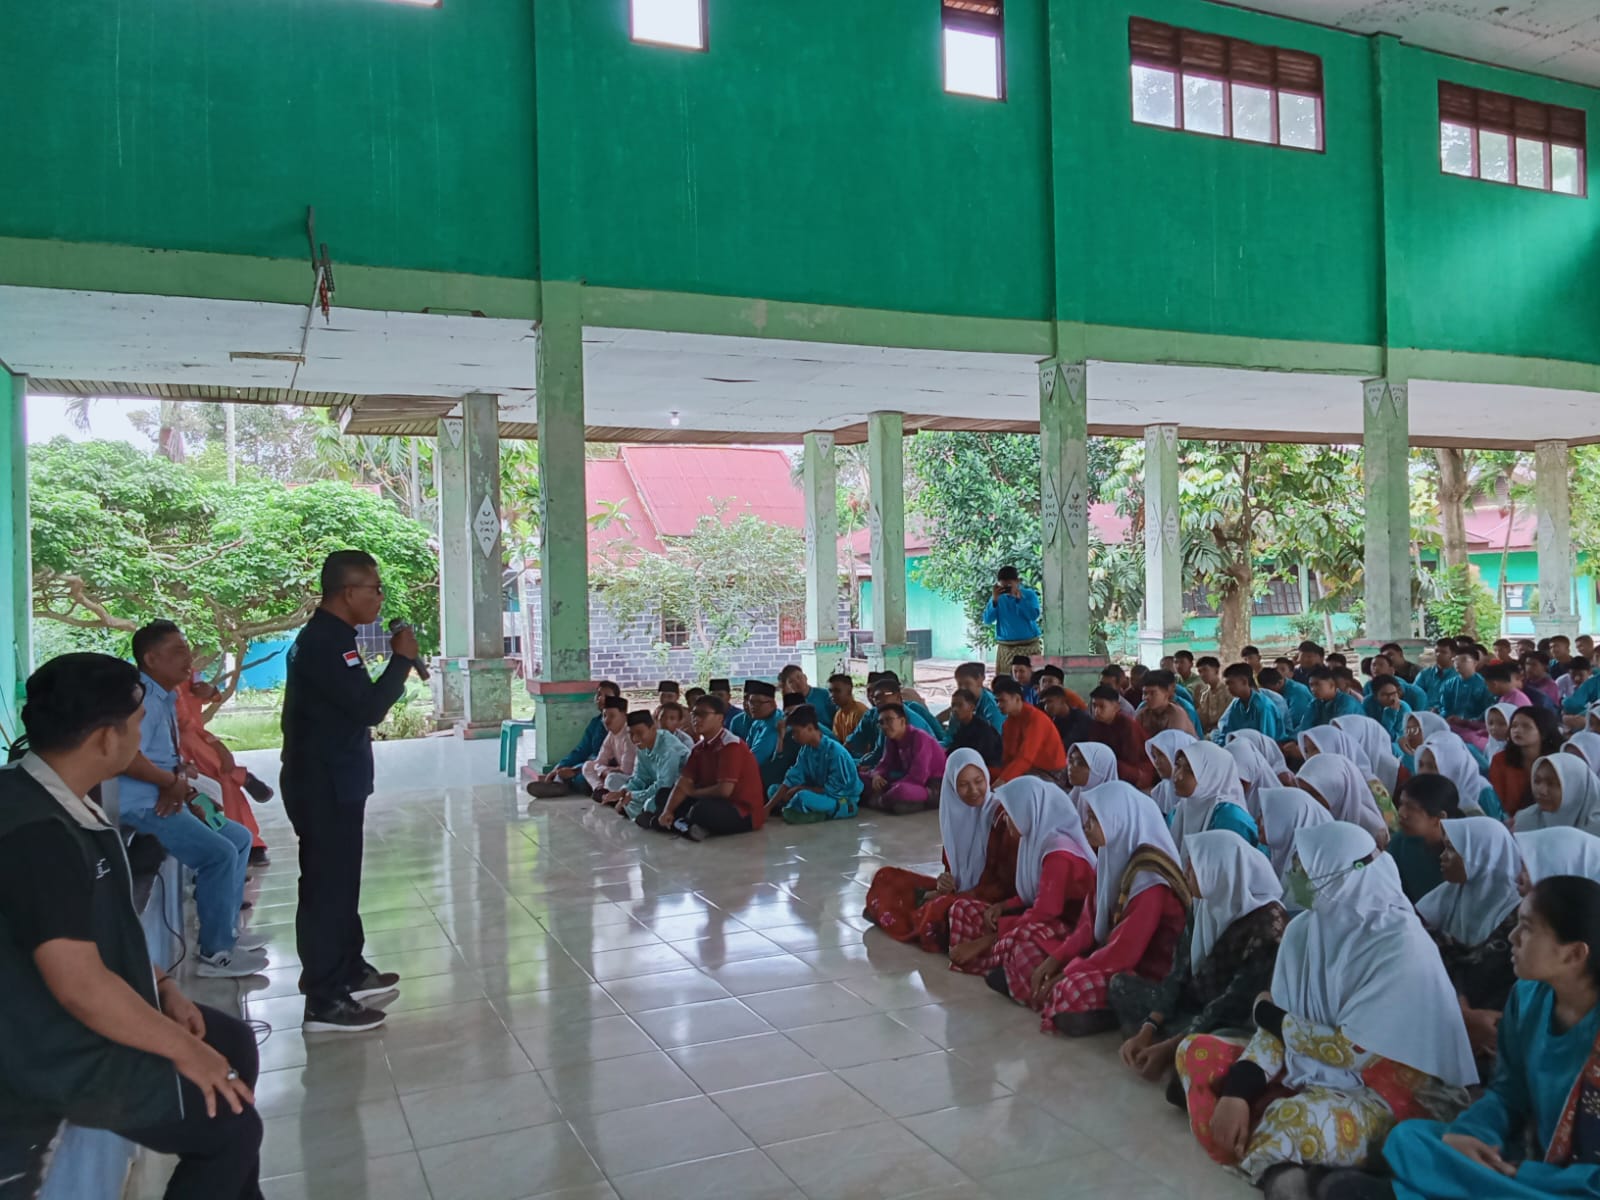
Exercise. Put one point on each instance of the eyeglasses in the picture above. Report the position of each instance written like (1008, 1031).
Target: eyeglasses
(377, 587)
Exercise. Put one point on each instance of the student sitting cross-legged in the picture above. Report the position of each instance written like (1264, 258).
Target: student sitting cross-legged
(822, 783)
(658, 759)
(906, 778)
(719, 789)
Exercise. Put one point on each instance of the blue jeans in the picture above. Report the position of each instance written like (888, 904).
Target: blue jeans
(218, 857)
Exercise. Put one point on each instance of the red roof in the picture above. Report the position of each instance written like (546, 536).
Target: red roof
(1486, 528)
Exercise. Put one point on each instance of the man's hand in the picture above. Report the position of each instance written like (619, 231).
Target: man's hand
(179, 1008)
(991, 918)
(403, 642)
(209, 1071)
(945, 884)
(1134, 1047)
(171, 798)
(997, 590)
(1230, 1128)
(1481, 1153)
(203, 692)
(879, 783)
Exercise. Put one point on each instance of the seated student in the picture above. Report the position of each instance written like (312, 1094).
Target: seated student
(1272, 695)
(566, 777)
(1560, 654)
(762, 729)
(1536, 678)
(1223, 961)
(848, 712)
(1051, 676)
(1055, 875)
(689, 698)
(668, 692)
(891, 691)
(906, 779)
(1471, 915)
(1022, 672)
(1330, 739)
(1502, 680)
(1574, 677)
(1247, 708)
(1346, 679)
(1129, 925)
(1029, 743)
(1073, 724)
(212, 758)
(1502, 650)
(866, 745)
(1544, 1094)
(1116, 678)
(1383, 669)
(1586, 745)
(1308, 657)
(792, 681)
(1419, 728)
(1211, 698)
(1529, 734)
(1115, 728)
(95, 1032)
(738, 714)
(156, 796)
(1134, 692)
(1341, 787)
(822, 784)
(788, 751)
(1336, 661)
(1389, 710)
(969, 731)
(671, 719)
(1089, 764)
(1269, 750)
(1396, 656)
(1372, 740)
(1210, 796)
(613, 761)
(979, 850)
(1432, 679)
(1161, 750)
(1255, 775)
(1339, 1054)
(1328, 701)
(719, 789)
(1183, 668)
(1559, 851)
(1446, 754)
(1565, 792)
(1423, 804)
(1251, 657)
(1465, 697)
(658, 760)
(971, 676)
(1162, 708)
(1284, 812)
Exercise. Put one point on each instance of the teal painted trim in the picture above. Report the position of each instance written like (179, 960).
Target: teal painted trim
(16, 652)
(1456, 366)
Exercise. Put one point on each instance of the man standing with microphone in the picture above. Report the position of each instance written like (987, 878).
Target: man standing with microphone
(330, 704)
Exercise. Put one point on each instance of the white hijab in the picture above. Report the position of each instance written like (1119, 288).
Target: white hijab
(1471, 911)
(1255, 775)
(1265, 746)
(1361, 961)
(1430, 723)
(1585, 745)
(1495, 745)
(1344, 789)
(1284, 811)
(1374, 741)
(1102, 760)
(1329, 739)
(1592, 714)
(965, 831)
(1216, 782)
(1129, 820)
(1048, 822)
(1235, 880)
(1561, 850)
(1169, 742)
(1580, 797)
(1455, 763)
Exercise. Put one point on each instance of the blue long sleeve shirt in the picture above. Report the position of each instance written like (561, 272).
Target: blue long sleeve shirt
(1180, 697)
(1413, 695)
(1432, 680)
(819, 699)
(1299, 699)
(1322, 712)
(1465, 699)
(761, 735)
(1393, 721)
(1015, 618)
(865, 738)
(1583, 696)
(826, 768)
(594, 736)
(1255, 713)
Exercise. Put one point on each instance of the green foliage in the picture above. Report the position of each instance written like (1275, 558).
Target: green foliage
(121, 538)
(718, 581)
(1450, 594)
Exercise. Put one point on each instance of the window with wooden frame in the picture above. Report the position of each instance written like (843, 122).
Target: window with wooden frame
(1503, 139)
(974, 48)
(791, 622)
(674, 633)
(680, 23)
(1223, 87)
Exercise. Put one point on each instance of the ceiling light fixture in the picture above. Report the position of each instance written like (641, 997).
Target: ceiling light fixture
(673, 418)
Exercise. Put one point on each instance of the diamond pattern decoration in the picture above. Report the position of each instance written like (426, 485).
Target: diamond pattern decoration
(1047, 380)
(1169, 529)
(1373, 394)
(875, 533)
(1169, 434)
(1049, 509)
(1397, 398)
(1075, 509)
(452, 429)
(486, 526)
(1075, 375)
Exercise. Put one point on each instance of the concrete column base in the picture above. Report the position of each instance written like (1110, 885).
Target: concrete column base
(561, 712)
(1557, 625)
(449, 688)
(901, 659)
(485, 692)
(1154, 645)
(822, 659)
(1082, 671)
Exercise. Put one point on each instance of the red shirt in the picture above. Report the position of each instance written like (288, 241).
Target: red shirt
(724, 759)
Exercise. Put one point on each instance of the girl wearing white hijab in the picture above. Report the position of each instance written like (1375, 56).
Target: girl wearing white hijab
(1254, 775)
(1055, 874)
(1558, 851)
(1420, 726)
(1089, 764)
(1161, 750)
(1268, 749)
(1373, 739)
(1565, 792)
(1223, 962)
(1446, 754)
(1330, 739)
(1471, 916)
(1342, 789)
(1210, 796)
(1130, 924)
(1351, 979)
(1284, 811)
(979, 862)
(1499, 731)
(1586, 746)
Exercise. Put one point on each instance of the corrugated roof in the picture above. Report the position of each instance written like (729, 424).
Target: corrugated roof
(611, 492)
(1486, 528)
(680, 484)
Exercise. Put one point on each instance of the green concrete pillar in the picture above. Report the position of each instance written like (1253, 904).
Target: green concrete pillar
(16, 581)
(1064, 519)
(824, 652)
(455, 575)
(563, 694)
(488, 675)
(886, 522)
(1163, 548)
(1385, 458)
(1552, 467)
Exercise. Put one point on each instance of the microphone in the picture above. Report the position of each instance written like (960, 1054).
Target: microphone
(396, 626)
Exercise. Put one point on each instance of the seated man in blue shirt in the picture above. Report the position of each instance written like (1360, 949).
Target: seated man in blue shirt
(792, 681)
(1379, 667)
(1465, 698)
(1308, 658)
(1295, 695)
(972, 677)
(761, 728)
(1328, 700)
(1432, 679)
(1249, 708)
(155, 793)
(823, 783)
(1022, 672)
(565, 778)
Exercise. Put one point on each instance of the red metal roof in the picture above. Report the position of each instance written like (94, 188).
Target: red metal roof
(1486, 528)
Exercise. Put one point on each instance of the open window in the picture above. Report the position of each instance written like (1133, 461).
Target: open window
(680, 23)
(1503, 139)
(975, 48)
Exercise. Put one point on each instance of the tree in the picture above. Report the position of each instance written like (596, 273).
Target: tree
(121, 538)
(719, 581)
(1468, 477)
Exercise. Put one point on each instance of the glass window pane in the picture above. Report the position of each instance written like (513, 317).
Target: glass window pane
(673, 22)
(1202, 104)
(1252, 113)
(1455, 148)
(1530, 163)
(972, 63)
(1155, 97)
(1564, 170)
(1494, 156)
(1297, 121)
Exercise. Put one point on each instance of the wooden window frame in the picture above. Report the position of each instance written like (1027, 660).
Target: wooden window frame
(1178, 64)
(986, 18)
(791, 618)
(705, 32)
(667, 639)
(1464, 106)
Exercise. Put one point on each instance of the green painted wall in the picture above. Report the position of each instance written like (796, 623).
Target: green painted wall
(16, 578)
(926, 609)
(212, 124)
(1522, 566)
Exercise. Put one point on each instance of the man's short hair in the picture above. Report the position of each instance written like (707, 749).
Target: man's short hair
(972, 670)
(1270, 677)
(1338, 660)
(74, 695)
(148, 637)
(1189, 654)
(787, 670)
(711, 704)
(887, 678)
(690, 696)
(791, 701)
(671, 706)
(1469, 651)
(1343, 675)
(1106, 693)
(616, 702)
(1052, 693)
(608, 687)
(1160, 679)
(1579, 664)
(1022, 660)
(966, 696)
(1499, 672)
(1317, 674)
(1007, 574)
(1113, 672)
(1240, 670)
(640, 716)
(801, 714)
(1004, 685)
(1388, 681)
(1446, 643)
(841, 677)
(1209, 660)
(1388, 646)
(1249, 650)
(892, 708)
(343, 565)
(1310, 647)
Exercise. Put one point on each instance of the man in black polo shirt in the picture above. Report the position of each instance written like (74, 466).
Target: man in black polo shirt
(330, 704)
(94, 1032)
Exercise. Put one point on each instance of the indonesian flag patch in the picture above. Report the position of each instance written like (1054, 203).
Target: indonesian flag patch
(352, 659)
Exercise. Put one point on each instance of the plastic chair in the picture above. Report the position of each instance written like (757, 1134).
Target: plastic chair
(510, 734)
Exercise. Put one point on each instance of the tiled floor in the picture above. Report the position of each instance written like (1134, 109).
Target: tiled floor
(591, 1011)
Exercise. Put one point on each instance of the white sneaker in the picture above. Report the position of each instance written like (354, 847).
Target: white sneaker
(250, 941)
(231, 964)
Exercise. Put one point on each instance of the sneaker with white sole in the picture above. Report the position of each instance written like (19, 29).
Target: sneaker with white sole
(375, 983)
(231, 964)
(341, 1016)
(250, 941)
